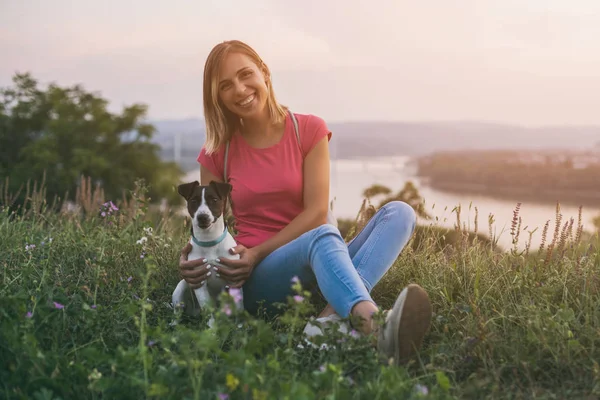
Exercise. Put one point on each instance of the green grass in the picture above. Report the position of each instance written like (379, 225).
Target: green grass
(506, 324)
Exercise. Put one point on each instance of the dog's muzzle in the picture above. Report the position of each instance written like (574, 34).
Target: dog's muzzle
(204, 220)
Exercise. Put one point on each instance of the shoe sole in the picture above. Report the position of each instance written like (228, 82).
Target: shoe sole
(411, 322)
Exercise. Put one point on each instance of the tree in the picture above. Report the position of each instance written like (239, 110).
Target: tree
(408, 194)
(67, 133)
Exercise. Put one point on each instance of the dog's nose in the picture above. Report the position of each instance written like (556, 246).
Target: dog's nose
(204, 219)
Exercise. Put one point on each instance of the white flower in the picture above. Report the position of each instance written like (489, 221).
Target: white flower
(148, 231)
(143, 240)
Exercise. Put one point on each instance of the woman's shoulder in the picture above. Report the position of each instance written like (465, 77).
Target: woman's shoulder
(312, 129)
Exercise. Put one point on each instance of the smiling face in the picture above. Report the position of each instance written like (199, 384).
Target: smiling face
(242, 85)
(205, 204)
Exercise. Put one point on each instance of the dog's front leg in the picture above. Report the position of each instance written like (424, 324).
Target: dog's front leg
(204, 300)
(178, 297)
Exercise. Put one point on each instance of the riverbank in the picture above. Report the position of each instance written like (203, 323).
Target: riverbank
(586, 198)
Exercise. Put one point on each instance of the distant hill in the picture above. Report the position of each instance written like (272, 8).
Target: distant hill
(380, 138)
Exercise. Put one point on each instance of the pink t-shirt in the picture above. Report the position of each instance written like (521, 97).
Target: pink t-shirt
(267, 183)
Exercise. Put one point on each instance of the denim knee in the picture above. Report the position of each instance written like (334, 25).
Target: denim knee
(324, 231)
(401, 214)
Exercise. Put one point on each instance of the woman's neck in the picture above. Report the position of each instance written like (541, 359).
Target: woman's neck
(259, 126)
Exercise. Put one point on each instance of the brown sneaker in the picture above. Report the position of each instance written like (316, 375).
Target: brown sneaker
(406, 325)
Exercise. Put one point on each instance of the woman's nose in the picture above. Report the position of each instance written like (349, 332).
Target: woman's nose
(240, 88)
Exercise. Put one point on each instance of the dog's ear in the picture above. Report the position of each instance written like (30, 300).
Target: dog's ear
(187, 189)
(222, 188)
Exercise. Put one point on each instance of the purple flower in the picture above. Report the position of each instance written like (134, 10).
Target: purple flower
(151, 343)
(129, 279)
(223, 396)
(295, 279)
(322, 368)
(58, 305)
(103, 214)
(298, 299)
(93, 306)
(226, 309)
(113, 207)
(29, 314)
(236, 294)
(420, 389)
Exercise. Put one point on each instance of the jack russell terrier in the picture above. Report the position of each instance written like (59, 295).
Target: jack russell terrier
(210, 240)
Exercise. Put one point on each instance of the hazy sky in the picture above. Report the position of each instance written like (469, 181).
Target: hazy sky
(532, 62)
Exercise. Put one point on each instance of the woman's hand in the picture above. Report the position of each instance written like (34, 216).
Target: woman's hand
(238, 271)
(194, 272)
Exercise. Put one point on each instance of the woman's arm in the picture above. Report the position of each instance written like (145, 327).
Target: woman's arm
(316, 201)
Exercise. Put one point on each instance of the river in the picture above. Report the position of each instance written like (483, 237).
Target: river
(350, 177)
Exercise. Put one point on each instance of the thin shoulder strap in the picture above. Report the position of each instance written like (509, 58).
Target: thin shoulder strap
(295, 122)
(225, 162)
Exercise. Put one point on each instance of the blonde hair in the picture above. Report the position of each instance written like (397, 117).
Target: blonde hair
(220, 122)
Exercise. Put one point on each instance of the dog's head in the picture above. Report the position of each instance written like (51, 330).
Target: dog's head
(205, 203)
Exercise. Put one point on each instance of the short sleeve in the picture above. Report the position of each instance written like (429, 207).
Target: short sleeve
(212, 162)
(314, 130)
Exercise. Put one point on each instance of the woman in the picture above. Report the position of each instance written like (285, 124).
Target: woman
(280, 203)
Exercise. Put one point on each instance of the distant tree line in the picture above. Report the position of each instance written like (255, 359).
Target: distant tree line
(66, 133)
(537, 175)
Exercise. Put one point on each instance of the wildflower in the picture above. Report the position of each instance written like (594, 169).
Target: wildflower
(143, 254)
(422, 390)
(143, 240)
(30, 247)
(226, 309)
(129, 279)
(322, 368)
(223, 396)
(103, 214)
(298, 298)
(93, 306)
(232, 382)
(148, 231)
(151, 343)
(29, 314)
(236, 294)
(354, 333)
(295, 279)
(58, 305)
(113, 207)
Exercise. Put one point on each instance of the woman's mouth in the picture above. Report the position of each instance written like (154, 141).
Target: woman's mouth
(247, 101)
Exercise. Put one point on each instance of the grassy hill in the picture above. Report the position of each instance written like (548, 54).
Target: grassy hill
(84, 313)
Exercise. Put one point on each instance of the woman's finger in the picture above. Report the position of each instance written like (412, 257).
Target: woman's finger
(193, 264)
(231, 263)
(200, 273)
(231, 274)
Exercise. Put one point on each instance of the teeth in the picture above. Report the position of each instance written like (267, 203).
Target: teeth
(247, 100)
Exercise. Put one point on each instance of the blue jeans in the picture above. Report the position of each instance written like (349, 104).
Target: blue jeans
(344, 273)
